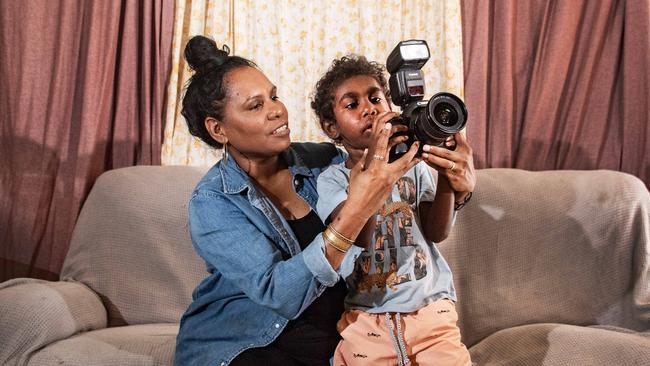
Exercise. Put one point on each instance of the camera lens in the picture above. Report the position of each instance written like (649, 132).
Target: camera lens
(445, 113)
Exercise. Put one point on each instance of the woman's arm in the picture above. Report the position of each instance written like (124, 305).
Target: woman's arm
(371, 180)
(234, 245)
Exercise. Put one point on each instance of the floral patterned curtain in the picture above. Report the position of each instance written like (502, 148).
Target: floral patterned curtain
(294, 42)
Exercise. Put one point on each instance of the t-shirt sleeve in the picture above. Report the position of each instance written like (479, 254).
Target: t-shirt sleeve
(332, 189)
(426, 183)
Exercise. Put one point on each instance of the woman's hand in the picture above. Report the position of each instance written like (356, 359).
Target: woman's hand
(456, 165)
(395, 140)
(371, 180)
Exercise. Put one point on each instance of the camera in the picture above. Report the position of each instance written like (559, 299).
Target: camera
(429, 122)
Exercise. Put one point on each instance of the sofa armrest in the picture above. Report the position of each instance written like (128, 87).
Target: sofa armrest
(569, 247)
(35, 313)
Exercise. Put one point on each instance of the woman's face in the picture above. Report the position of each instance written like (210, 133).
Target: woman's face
(255, 121)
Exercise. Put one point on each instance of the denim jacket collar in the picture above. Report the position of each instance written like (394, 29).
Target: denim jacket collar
(235, 180)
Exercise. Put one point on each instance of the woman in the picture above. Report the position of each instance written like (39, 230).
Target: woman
(273, 294)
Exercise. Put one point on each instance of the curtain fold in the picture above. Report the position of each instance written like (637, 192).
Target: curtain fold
(635, 71)
(83, 86)
(558, 84)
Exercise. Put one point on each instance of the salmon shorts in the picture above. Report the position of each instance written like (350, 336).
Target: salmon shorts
(428, 336)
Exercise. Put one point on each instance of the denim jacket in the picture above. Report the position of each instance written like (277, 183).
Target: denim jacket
(258, 278)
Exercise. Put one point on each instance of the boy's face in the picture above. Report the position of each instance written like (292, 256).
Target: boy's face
(357, 102)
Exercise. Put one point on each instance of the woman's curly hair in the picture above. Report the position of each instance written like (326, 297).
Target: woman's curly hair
(342, 69)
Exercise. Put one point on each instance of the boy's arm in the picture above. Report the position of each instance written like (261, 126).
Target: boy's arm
(437, 216)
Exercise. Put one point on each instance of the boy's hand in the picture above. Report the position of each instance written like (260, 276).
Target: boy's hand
(456, 165)
(450, 142)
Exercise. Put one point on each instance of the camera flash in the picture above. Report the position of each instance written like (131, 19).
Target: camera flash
(414, 52)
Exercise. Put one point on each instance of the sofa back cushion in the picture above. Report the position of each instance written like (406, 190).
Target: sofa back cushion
(131, 244)
(551, 247)
(531, 247)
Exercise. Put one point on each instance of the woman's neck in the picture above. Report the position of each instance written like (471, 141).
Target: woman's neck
(272, 176)
(259, 169)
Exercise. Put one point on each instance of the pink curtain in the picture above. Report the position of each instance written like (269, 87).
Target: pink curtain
(558, 84)
(82, 87)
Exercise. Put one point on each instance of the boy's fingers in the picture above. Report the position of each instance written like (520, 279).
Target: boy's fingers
(396, 140)
(450, 142)
(399, 128)
(439, 151)
(461, 141)
(440, 163)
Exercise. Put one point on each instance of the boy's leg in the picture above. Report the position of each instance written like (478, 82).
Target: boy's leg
(365, 340)
(433, 337)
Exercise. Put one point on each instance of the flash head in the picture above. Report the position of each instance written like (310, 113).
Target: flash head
(411, 54)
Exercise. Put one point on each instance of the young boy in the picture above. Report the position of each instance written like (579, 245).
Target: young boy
(400, 306)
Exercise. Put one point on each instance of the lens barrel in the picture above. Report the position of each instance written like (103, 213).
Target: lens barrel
(444, 115)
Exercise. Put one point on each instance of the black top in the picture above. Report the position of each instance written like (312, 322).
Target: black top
(314, 331)
(326, 310)
(306, 228)
(311, 338)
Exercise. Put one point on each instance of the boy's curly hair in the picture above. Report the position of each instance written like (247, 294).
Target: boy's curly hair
(342, 69)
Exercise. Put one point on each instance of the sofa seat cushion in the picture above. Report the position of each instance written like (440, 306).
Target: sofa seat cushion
(560, 344)
(142, 345)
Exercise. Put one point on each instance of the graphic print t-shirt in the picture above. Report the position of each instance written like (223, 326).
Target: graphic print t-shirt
(400, 271)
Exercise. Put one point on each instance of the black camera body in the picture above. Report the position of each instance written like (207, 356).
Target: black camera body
(429, 122)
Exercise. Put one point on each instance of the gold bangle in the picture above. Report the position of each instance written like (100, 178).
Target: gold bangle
(332, 239)
(339, 235)
(331, 243)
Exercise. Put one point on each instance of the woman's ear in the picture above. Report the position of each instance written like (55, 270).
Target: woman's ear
(331, 130)
(216, 131)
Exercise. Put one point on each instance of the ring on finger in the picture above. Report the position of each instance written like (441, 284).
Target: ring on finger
(378, 157)
(453, 165)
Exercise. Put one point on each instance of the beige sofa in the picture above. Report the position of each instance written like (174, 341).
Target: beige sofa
(551, 268)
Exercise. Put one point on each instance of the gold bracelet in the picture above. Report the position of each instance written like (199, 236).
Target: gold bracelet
(331, 243)
(332, 239)
(340, 236)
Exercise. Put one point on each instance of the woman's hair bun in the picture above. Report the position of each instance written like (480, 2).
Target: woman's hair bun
(202, 53)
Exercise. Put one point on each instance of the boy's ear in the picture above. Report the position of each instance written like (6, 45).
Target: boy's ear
(331, 130)
(216, 131)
